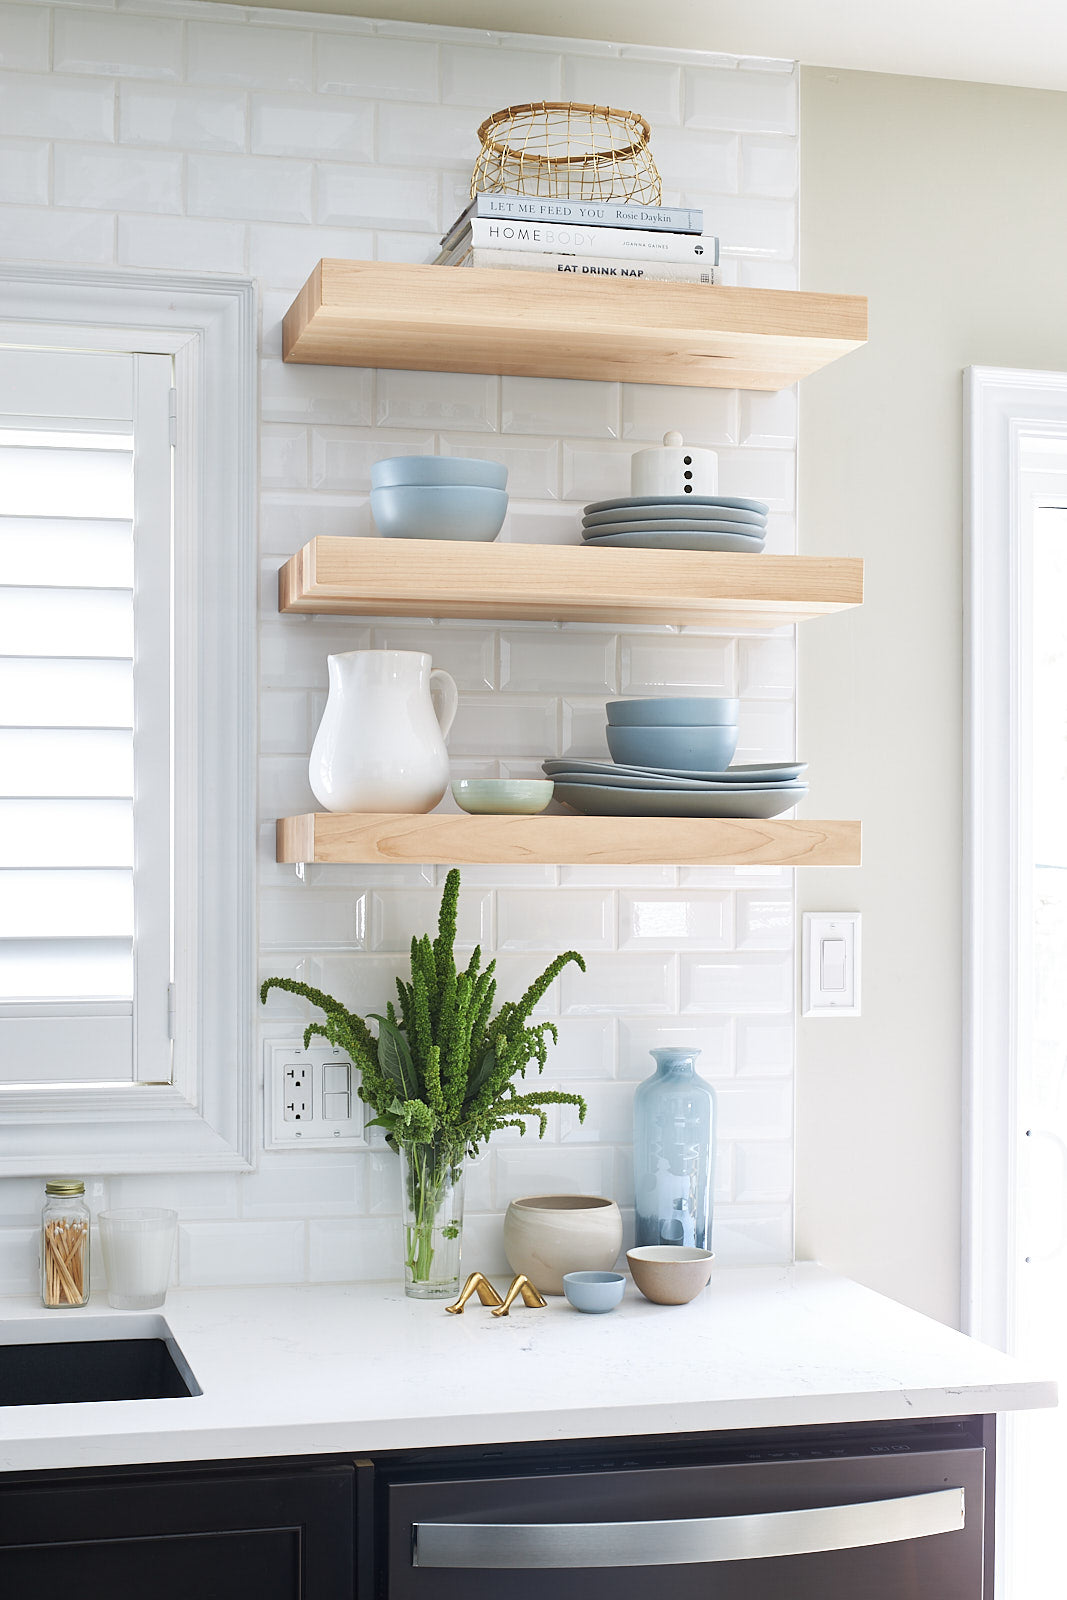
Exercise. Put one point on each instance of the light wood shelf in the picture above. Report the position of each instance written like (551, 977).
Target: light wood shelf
(455, 840)
(563, 583)
(532, 324)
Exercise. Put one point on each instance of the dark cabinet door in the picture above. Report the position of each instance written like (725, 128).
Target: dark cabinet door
(207, 1535)
(853, 1527)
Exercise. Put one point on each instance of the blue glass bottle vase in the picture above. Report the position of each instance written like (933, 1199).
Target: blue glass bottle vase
(674, 1152)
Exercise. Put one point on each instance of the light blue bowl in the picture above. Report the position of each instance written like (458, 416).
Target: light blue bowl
(674, 711)
(676, 749)
(594, 1291)
(401, 470)
(439, 511)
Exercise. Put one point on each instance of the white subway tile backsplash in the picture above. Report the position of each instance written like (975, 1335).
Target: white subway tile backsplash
(764, 921)
(491, 76)
(748, 982)
(290, 392)
(294, 918)
(257, 187)
(532, 464)
(312, 1186)
(544, 523)
(750, 102)
(654, 90)
(769, 420)
(377, 197)
(757, 272)
(284, 726)
(753, 1236)
(117, 179)
(217, 1254)
(56, 108)
(24, 38)
(378, 68)
(23, 170)
(551, 663)
(585, 1049)
(620, 985)
(469, 656)
(712, 1036)
(283, 456)
(534, 919)
(550, 1169)
(769, 166)
(341, 459)
(559, 406)
(764, 1047)
(768, 475)
(676, 921)
(504, 725)
(766, 667)
(583, 729)
(657, 664)
(253, 58)
(763, 1171)
(767, 731)
(189, 119)
(464, 400)
(705, 417)
(751, 1110)
(609, 1117)
(750, 226)
(181, 243)
(593, 472)
(397, 918)
(124, 45)
(285, 256)
(406, 133)
(19, 1260)
(196, 1196)
(704, 163)
(308, 125)
(37, 234)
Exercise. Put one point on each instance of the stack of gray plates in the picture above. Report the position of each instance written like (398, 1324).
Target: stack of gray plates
(677, 522)
(608, 789)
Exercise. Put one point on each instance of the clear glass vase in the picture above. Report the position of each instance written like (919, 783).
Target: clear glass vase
(674, 1153)
(431, 1178)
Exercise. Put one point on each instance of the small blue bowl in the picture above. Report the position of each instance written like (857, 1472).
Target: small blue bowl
(594, 1291)
(439, 511)
(674, 749)
(674, 711)
(397, 471)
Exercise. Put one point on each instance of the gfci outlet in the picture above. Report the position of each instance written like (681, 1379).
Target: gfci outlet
(310, 1098)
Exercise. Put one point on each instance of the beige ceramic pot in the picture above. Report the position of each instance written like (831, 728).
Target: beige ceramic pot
(546, 1235)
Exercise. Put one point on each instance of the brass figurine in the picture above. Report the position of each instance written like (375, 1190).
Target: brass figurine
(477, 1284)
(530, 1296)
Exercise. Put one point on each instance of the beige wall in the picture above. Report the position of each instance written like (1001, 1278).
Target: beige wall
(945, 203)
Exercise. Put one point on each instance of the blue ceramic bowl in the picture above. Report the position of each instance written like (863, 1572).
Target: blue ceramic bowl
(400, 470)
(674, 711)
(439, 511)
(594, 1291)
(675, 749)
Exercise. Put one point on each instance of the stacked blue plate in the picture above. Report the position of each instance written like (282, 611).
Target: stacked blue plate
(610, 789)
(677, 522)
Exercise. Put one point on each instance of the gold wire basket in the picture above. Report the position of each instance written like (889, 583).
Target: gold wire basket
(559, 148)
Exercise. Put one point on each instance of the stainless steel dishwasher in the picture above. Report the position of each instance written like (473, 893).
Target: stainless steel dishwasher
(891, 1517)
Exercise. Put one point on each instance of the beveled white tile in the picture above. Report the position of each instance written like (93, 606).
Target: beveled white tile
(21, 1199)
(465, 400)
(363, 983)
(24, 42)
(307, 1184)
(692, 160)
(517, 971)
(217, 1254)
(106, 179)
(23, 170)
(667, 664)
(511, 876)
(498, 75)
(609, 1117)
(704, 417)
(184, 243)
(749, 102)
(377, 68)
(284, 727)
(583, 729)
(764, 921)
(748, 226)
(291, 392)
(312, 125)
(766, 667)
(288, 519)
(483, 1242)
(751, 1110)
(534, 919)
(19, 1254)
(712, 1036)
(735, 877)
(754, 1235)
(766, 731)
(283, 456)
(377, 197)
(560, 406)
(548, 523)
(408, 133)
(284, 790)
(760, 273)
(381, 1180)
(764, 1047)
(733, 983)
(292, 919)
(468, 654)
(532, 464)
(504, 725)
(613, 877)
(551, 663)
(51, 107)
(127, 46)
(593, 472)
(769, 420)
(585, 1049)
(356, 1250)
(194, 1195)
(256, 58)
(769, 166)
(768, 475)
(257, 187)
(677, 921)
(397, 918)
(763, 1171)
(285, 257)
(551, 1169)
(781, 534)
(182, 119)
(40, 234)
(725, 1167)
(654, 87)
(620, 985)
(341, 459)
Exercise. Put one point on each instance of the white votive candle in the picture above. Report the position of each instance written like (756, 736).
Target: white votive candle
(138, 1246)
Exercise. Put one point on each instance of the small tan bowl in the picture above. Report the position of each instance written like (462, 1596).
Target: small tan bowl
(670, 1274)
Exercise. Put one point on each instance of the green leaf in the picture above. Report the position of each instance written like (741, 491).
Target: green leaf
(481, 1075)
(394, 1058)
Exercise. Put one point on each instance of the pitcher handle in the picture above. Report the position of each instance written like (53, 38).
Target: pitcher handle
(445, 698)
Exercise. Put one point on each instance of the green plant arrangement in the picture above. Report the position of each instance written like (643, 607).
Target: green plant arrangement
(441, 1076)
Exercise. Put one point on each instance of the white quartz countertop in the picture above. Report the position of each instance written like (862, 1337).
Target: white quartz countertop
(361, 1369)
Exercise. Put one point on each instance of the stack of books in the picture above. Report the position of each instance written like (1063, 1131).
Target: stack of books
(582, 238)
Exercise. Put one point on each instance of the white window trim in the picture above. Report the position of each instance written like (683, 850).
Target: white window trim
(202, 1119)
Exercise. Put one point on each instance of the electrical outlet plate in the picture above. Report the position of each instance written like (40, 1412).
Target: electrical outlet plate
(309, 1098)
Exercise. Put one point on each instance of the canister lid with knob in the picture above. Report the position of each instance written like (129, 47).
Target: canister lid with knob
(674, 468)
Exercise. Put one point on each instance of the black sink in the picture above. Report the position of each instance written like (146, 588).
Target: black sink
(83, 1370)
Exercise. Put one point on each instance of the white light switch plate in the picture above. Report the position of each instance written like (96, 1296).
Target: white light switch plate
(830, 964)
(305, 1099)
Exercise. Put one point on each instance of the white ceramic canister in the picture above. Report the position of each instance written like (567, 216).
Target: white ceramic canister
(674, 468)
(381, 743)
(546, 1235)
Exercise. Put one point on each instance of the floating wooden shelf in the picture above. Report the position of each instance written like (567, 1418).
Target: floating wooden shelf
(533, 324)
(447, 838)
(563, 583)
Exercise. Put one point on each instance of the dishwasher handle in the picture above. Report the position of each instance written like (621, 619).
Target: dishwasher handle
(535, 1546)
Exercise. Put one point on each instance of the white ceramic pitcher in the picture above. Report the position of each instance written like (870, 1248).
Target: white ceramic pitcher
(381, 743)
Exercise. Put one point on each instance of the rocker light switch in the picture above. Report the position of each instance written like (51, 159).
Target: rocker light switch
(831, 964)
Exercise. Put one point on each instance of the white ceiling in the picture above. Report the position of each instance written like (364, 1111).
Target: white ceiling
(987, 41)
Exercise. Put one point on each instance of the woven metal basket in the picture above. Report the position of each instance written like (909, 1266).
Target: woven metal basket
(561, 148)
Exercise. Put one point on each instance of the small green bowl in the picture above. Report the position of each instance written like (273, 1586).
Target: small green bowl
(502, 797)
